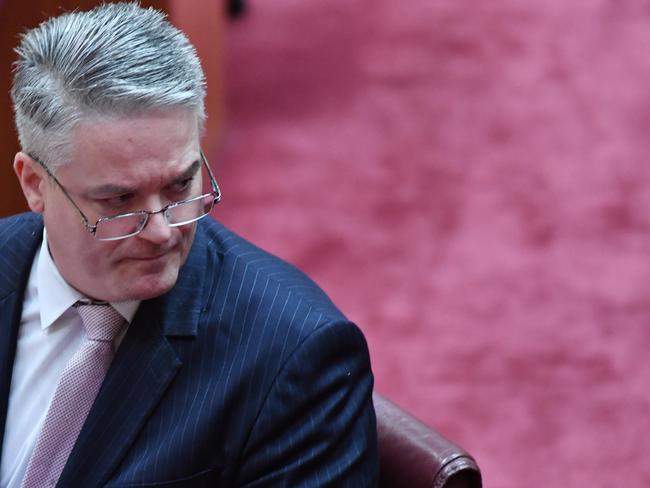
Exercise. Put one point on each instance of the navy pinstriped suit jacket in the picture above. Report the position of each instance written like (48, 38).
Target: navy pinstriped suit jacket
(244, 374)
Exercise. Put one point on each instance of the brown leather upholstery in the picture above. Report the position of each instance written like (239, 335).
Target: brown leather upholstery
(412, 455)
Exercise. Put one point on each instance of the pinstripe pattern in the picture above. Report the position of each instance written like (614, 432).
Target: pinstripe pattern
(19, 239)
(245, 374)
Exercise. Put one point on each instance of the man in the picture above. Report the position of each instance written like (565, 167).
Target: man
(224, 366)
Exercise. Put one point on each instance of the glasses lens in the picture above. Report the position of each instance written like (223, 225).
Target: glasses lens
(119, 227)
(190, 211)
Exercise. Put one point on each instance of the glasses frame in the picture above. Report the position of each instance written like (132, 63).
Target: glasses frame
(92, 228)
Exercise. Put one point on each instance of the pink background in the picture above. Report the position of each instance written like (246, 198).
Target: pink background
(469, 181)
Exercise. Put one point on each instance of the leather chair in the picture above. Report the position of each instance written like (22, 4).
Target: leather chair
(412, 455)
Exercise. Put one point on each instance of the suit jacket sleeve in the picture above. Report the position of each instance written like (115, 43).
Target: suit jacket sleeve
(317, 423)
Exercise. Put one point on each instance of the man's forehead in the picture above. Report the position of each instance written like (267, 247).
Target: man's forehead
(170, 137)
(153, 125)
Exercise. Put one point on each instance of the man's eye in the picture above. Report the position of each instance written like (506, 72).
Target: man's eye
(116, 202)
(182, 185)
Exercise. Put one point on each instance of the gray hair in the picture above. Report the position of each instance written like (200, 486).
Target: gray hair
(116, 60)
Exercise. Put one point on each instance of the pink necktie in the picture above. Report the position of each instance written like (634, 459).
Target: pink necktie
(74, 395)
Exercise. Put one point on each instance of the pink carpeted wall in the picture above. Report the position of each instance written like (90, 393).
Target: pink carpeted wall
(469, 182)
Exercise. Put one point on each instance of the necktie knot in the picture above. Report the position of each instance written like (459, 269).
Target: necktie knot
(102, 322)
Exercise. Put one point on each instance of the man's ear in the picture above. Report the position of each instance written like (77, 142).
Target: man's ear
(32, 180)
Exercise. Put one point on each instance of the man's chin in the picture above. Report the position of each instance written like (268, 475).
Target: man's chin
(145, 286)
(145, 279)
(151, 289)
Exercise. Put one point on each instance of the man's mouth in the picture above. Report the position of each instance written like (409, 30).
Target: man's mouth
(158, 254)
(150, 258)
(150, 254)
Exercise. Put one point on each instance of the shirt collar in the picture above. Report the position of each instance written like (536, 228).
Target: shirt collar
(56, 295)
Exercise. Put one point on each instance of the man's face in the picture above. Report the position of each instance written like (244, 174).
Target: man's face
(119, 166)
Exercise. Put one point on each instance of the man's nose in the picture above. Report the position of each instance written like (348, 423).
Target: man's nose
(156, 229)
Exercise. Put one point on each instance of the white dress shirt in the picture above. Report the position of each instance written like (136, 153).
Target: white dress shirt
(50, 333)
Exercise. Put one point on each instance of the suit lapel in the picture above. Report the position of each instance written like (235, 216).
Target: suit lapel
(142, 371)
(10, 311)
(19, 241)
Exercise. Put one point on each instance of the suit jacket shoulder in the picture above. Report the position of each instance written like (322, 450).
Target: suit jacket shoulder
(240, 260)
(20, 236)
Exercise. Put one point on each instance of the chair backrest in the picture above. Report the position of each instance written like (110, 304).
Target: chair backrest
(412, 455)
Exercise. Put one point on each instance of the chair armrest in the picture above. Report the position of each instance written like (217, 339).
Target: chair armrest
(413, 455)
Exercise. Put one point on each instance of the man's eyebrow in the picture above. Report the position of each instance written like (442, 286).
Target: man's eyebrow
(109, 189)
(189, 172)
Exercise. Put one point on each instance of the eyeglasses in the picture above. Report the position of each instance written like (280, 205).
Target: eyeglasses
(129, 224)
